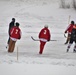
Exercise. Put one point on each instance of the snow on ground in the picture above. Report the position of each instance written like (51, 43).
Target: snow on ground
(32, 18)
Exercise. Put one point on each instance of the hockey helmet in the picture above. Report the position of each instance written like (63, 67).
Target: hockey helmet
(13, 19)
(46, 26)
(17, 24)
(72, 22)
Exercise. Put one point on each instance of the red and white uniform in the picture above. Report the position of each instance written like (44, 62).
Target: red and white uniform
(44, 34)
(15, 33)
(69, 28)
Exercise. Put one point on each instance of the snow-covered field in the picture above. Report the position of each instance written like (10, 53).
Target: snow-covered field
(32, 16)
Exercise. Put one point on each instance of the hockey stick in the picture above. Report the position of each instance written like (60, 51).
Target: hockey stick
(35, 39)
(65, 35)
(68, 23)
(39, 39)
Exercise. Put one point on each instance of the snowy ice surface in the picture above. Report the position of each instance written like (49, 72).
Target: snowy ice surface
(32, 16)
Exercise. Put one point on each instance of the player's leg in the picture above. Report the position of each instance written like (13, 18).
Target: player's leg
(42, 44)
(69, 45)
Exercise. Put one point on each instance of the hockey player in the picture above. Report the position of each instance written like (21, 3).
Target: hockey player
(68, 30)
(44, 36)
(11, 24)
(72, 39)
(15, 34)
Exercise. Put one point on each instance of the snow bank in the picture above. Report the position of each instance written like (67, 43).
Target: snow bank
(28, 2)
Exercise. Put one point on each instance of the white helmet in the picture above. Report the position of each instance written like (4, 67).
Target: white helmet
(46, 26)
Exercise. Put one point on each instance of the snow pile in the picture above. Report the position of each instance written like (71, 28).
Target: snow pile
(31, 2)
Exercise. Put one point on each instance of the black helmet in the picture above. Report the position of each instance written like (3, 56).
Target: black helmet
(17, 24)
(13, 19)
(72, 22)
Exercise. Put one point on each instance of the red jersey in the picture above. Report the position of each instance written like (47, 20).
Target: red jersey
(69, 28)
(45, 34)
(15, 32)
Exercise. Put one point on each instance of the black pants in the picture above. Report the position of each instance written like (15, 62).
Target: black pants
(8, 40)
(72, 40)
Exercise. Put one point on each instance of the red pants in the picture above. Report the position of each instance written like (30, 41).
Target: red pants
(42, 44)
(11, 45)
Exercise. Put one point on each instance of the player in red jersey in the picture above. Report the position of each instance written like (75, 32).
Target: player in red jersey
(69, 30)
(15, 34)
(44, 36)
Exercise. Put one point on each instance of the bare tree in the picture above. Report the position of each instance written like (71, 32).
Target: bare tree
(74, 4)
(62, 3)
